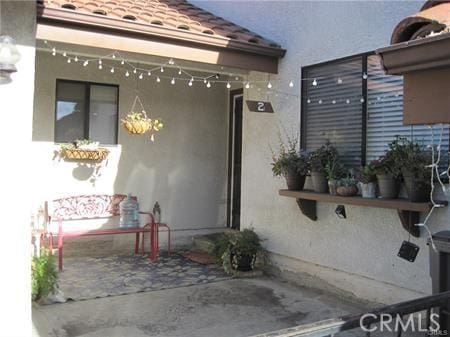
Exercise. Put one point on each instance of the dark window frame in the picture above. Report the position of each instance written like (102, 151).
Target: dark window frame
(87, 106)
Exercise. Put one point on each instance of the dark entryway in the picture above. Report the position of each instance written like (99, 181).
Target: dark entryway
(235, 160)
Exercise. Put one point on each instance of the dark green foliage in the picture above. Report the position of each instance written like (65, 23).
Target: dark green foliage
(289, 160)
(43, 276)
(325, 159)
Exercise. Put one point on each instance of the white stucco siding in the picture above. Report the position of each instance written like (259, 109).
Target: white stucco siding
(185, 169)
(364, 246)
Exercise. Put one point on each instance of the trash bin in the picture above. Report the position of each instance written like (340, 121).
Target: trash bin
(440, 270)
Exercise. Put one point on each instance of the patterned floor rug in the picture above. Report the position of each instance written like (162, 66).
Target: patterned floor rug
(94, 277)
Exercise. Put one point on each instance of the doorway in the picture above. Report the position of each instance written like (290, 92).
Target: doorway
(234, 160)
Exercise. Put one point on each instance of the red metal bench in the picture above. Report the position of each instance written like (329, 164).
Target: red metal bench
(92, 207)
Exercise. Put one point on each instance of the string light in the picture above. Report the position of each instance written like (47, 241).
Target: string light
(291, 84)
(100, 67)
(68, 60)
(113, 55)
(362, 100)
(320, 101)
(134, 71)
(54, 51)
(127, 73)
(122, 62)
(228, 85)
(85, 63)
(339, 81)
(190, 83)
(158, 79)
(334, 101)
(247, 86)
(347, 101)
(149, 73)
(141, 76)
(179, 71)
(112, 70)
(364, 76)
(162, 69)
(171, 62)
(314, 83)
(75, 59)
(308, 101)
(208, 85)
(100, 62)
(173, 81)
(269, 85)
(64, 54)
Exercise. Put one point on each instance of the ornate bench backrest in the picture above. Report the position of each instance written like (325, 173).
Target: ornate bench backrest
(86, 207)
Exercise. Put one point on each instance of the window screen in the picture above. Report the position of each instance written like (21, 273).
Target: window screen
(86, 111)
(333, 108)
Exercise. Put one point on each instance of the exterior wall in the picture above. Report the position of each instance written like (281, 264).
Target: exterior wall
(17, 19)
(185, 169)
(353, 254)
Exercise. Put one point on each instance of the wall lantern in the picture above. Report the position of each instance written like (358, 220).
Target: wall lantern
(9, 56)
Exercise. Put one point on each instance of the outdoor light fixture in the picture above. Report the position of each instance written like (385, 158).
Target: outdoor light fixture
(340, 212)
(9, 56)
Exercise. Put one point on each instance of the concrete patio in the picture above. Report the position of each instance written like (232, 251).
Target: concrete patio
(234, 307)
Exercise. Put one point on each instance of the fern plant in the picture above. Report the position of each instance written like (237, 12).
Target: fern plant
(44, 276)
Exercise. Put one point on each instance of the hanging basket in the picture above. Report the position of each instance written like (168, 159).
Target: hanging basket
(137, 127)
(80, 154)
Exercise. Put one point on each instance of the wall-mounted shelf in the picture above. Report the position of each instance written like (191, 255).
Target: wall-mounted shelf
(408, 212)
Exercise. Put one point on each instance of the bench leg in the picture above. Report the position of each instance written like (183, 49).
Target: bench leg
(136, 244)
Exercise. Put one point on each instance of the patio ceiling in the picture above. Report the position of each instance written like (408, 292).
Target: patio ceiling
(166, 28)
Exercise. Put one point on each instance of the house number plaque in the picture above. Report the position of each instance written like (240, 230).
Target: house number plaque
(259, 106)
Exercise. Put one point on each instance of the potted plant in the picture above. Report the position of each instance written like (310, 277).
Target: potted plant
(318, 160)
(347, 187)
(83, 149)
(333, 172)
(137, 122)
(291, 163)
(414, 159)
(239, 249)
(368, 181)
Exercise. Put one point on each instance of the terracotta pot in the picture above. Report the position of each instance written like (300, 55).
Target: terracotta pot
(388, 185)
(418, 190)
(295, 182)
(319, 182)
(347, 191)
(369, 190)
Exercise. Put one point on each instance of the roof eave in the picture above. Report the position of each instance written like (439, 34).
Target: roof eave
(46, 14)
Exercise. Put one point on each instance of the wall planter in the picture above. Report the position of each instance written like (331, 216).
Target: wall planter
(295, 182)
(389, 186)
(83, 154)
(319, 182)
(368, 190)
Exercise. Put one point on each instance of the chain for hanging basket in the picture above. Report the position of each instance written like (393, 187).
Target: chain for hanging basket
(137, 122)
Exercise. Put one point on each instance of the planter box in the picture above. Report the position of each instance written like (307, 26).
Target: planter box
(80, 154)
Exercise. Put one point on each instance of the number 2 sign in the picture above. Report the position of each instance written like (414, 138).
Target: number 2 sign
(259, 106)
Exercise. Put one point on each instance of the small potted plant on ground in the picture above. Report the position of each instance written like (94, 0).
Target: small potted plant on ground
(239, 249)
(318, 160)
(368, 181)
(291, 163)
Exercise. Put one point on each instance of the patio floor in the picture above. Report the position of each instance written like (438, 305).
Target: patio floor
(217, 307)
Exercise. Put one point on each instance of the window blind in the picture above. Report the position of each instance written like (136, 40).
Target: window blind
(385, 113)
(332, 108)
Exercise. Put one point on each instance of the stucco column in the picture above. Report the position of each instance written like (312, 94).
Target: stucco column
(18, 20)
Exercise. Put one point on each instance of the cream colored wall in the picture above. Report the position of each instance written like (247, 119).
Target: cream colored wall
(185, 169)
(353, 253)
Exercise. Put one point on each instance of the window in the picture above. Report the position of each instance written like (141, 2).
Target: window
(86, 111)
(359, 114)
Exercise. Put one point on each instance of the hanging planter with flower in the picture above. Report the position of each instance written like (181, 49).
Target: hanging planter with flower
(138, 123)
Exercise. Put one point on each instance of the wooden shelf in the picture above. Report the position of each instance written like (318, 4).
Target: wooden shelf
(409, 212)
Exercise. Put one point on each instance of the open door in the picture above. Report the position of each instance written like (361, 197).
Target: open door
(235, 160)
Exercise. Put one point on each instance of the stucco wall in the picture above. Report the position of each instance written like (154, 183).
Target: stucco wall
(185, 169)
(362, 249)
(17, 19)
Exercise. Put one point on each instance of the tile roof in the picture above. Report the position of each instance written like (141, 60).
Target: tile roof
(176, 15)
(433, 18)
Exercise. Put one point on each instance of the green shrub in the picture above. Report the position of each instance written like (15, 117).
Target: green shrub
(43, 276)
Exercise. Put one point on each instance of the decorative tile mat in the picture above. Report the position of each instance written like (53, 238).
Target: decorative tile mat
(93, 277)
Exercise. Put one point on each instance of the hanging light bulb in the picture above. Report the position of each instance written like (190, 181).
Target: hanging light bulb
(190, 83)
(100, 67)
(112, 70)
(308, 101)
(64, 54)
(152, 137)
(141, 76)
(333, 101)
(162, 69)
(54, 51)
(122, 62)
(269, 85)
(314, 83)
(339, 81)
(76, 59)
(173, 81)
(134, 71)
(364, 76)
(113, 55)
(68, 60)
(85, 63)
(100, 62)
(158, 79)
(149, 73)
(228, 85)
(179, 72)
(127, 74)
(362, 100)
(320, 101)
(347, 101)
(208, 85)
(291, 84)
(171, 62)
(247, 86)
(204, 80)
